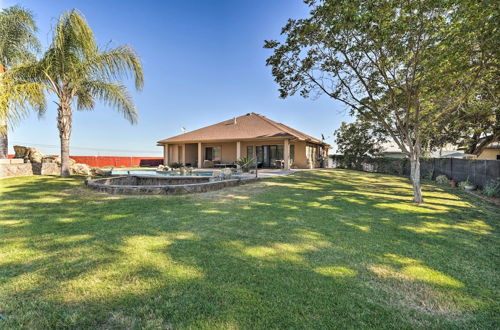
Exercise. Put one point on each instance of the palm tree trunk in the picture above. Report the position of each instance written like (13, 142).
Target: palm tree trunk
(4, 142)
(64, 118)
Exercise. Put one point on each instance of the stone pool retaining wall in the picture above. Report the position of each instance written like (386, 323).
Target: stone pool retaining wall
(134, 184)
(145, 180)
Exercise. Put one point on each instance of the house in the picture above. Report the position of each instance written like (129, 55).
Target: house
(391, 150)
(490, 152)
(252, 135)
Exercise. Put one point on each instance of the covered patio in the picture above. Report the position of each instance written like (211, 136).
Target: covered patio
(267, 153)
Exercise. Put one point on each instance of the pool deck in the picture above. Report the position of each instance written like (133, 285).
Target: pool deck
(262, 173)
(268, 173)
(272, 172)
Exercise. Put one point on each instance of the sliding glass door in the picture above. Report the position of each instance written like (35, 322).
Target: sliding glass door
(268, 155)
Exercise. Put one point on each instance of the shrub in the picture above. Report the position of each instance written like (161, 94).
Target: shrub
(492, 188)
(442, 179)
(176, 165)
(467, 182)
(246, 163)
(430, 174)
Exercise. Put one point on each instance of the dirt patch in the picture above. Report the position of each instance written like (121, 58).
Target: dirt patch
(407, 294)
(493, 200)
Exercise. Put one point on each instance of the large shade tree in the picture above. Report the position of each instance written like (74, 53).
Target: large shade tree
(79, 74)
(18, 45)
(407, 65)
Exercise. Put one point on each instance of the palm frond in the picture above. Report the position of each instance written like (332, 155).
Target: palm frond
(110, 94)
(18, 42)
(17, 98)
(72, 34)
(115, 64)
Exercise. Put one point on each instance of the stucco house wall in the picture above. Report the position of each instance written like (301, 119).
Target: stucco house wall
(489, 154)
(191, 153)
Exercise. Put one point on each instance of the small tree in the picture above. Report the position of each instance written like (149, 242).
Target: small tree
(408, 66)
(358, 140)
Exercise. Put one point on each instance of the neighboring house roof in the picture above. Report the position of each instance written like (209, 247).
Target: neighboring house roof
(390, 147)
(493, 145)
(458, 154)
(246, 127)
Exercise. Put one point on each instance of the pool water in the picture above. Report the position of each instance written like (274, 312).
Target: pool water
(160, 173)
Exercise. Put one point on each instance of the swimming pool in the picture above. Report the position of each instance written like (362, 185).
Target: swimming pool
(160, 173)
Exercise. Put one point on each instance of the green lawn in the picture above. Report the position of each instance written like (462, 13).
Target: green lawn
(324, 249)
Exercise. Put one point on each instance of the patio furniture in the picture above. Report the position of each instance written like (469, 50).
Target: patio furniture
(208, 164)
(224, 165)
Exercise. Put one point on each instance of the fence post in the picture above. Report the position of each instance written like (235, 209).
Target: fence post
(485, 171)
(451, 168)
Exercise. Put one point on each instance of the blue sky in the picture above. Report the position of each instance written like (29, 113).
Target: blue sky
(203, 63)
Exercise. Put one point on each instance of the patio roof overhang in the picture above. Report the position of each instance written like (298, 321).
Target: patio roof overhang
(290, 138)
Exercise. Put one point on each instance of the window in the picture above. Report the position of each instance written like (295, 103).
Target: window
(217, 154)
(279, 152)
(292, 152)
(209, 151)
(312, 152)
(250, 151)
(213, 153)
(498, 157)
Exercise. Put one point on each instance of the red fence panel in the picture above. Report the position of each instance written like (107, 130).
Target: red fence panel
(115, 161)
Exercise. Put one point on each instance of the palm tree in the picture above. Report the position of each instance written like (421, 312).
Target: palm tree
(18, 44)
(79, 74)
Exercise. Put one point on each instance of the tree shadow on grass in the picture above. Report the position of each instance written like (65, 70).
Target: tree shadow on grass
(302, 251)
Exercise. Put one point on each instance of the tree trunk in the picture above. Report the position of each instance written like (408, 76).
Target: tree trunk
(4, 142)
(64, 118)
(415, 175)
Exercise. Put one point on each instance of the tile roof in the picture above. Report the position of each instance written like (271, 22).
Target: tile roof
(246, 127)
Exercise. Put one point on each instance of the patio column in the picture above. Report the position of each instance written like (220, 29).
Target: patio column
(238, 150)
(199, 155)
(175, 153)
(165, 154)
(286, 155)
(183, 159)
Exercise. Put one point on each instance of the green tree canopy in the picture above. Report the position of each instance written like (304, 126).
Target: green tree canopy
(406, 65)
(358, 140)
